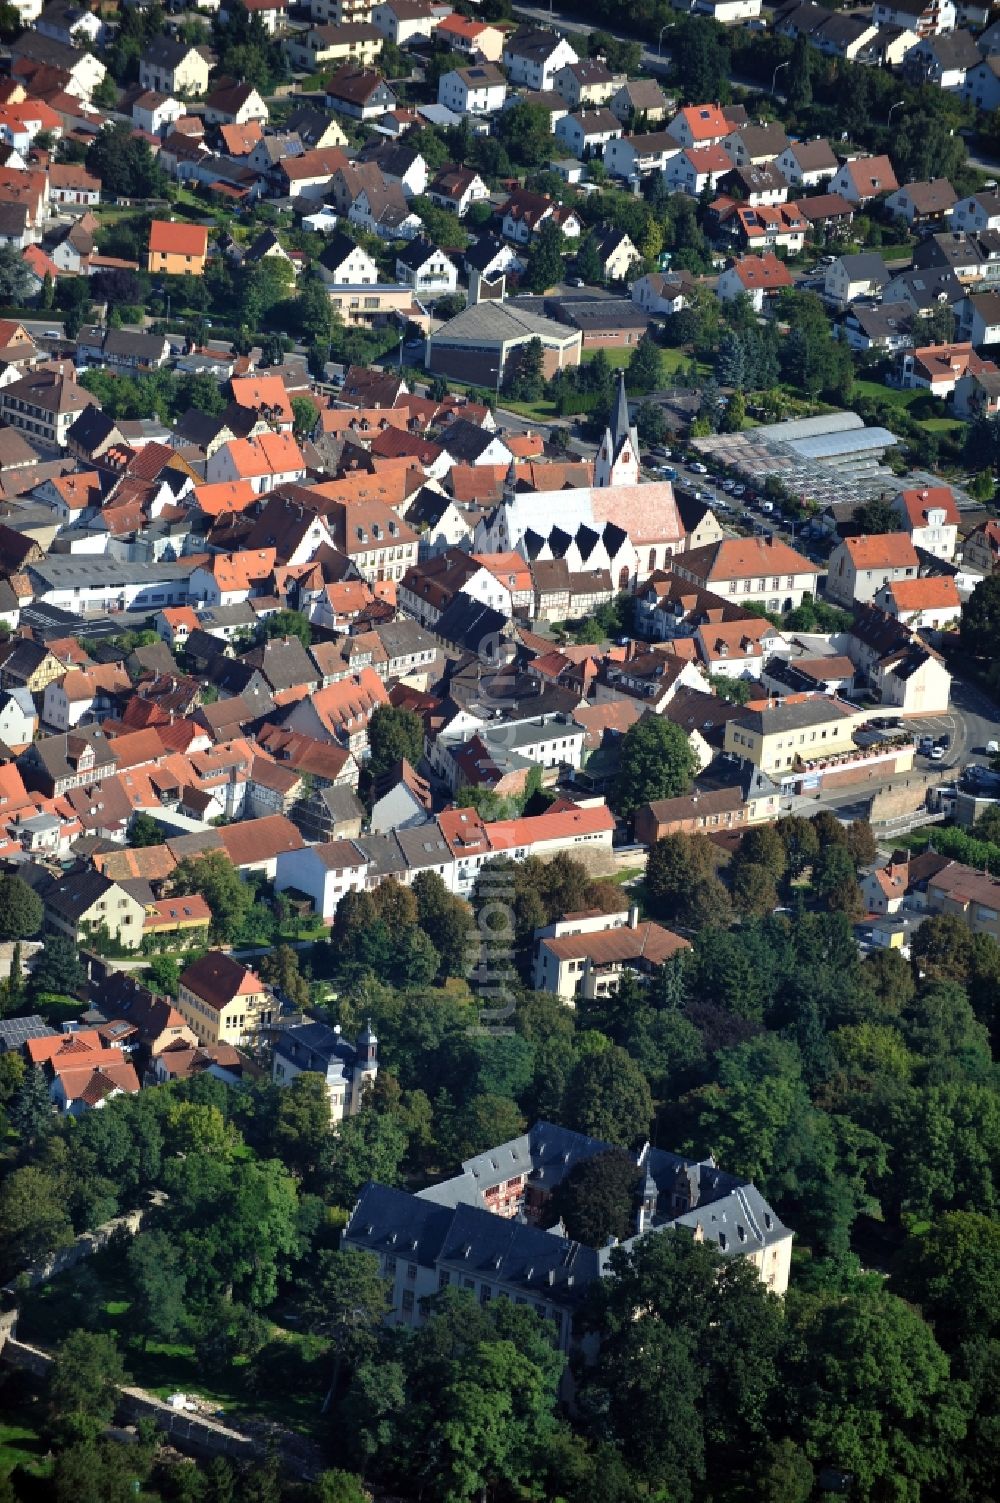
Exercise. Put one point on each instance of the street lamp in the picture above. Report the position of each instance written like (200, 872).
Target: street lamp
(659, 39)
(774, 77)
(897, 106)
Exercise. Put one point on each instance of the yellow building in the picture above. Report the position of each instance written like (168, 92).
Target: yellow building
(83, 903)
(223, 1001)
(777, 738)
(176, 249)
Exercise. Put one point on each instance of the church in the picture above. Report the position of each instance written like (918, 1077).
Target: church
(620, 524)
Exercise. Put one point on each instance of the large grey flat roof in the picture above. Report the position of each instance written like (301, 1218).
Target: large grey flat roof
(495, 323)
(84, 569)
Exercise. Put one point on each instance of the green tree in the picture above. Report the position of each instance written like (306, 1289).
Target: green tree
(588, 263)
(877, 516)
(84, 1381)
(21, 909)
(144, 831)
(835, 880)
(608, 1097)
(124, 163)
(525, 381)
(220, 884)
(338, 1486)
(15, 278)
(799, 78)
(875, 1395)
(545, 261)
(346, 1300)
(597, 1199)
(303, 1134)
(368, 1146)
(980, 627)
(57, 968)
(306, 416)
(952, 1270)
(157, 1287)
(34, 1219)
(645, 366)
(525, 133)
(393, 734)
(164, 975)
(656, 762)
(674, 865)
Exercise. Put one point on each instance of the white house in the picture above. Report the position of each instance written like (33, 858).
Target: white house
(925, 17)
(323, 872)
(922, 604)
(154, 112)
(930, 516)
(856, 276)
(697, 168)
(806, 164)
(533, 57)
(982, 84)
(979, 319)
(18, 718)
(588, 132)
(480, 89)
(634, 157)
(346, 264)
(266, 461)
(426, 269)
(980, 211)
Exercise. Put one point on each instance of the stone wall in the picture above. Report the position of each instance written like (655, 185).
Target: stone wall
(905, 798)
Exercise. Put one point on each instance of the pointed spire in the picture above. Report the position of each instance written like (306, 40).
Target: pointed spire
(510, 482)
(619, 422)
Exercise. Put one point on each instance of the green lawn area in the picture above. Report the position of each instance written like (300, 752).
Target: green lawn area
(20, 1443)
(291, 1398)
(891, 394)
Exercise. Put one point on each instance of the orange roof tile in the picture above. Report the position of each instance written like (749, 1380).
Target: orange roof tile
(172, 239)
(886, 550)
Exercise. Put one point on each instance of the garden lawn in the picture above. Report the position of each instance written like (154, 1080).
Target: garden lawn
(163, 1367)
(20, 1443)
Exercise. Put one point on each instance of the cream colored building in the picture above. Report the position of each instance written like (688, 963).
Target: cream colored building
(224, 1001)
(83, 902)
(778, 737)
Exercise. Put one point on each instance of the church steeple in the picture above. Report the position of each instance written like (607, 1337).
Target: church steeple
(618, 457)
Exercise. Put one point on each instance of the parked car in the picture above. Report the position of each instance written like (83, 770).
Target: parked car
(697, 468)
(936, 753)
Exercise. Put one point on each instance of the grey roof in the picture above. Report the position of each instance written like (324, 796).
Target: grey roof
(465, 441)
(75, 893)
(383, 854)
(491, 323)
(424, 846)
(469, 624)
(316, 1047)
(448, 1225)
(67, 573)
(798, 716)
(416, 252)
(15, 1032)
(404, 638)
(866, 266)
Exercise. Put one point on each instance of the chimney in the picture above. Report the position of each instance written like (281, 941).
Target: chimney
(633, 917)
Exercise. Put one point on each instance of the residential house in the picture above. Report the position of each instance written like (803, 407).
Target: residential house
(480, 89)
(696, 169)
(979, 211)
(925, 17)
(862, 179)
(426, 269)
(457, 189)
(922, 604)
(524, 213)
(764, 571)
(400, 799)
(361, 93)
(979, 319)
(921, 204)
(586, 83)
(478, 39)
(586, 955)
(155, 113)
(753, 145)
(638, 156)
(861, 275)
(176, 249)
(938, 368)
(269, 460)
(781, 738)
(639, 101)
(234, 103)
(981, 549)
(359, 43)
(930, 516)
(860, 566)
(349, 1070)
(533, 57)
(344, 263)
(223, 1001)
(401, 21)
(756, 277)
(700, 125)
(943, 61)
(172, 67)
(806, 164)
(45, 403)
(81, 902)
(588, 132)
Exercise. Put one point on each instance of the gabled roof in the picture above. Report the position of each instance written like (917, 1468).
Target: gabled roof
(173, 239)
(889, 550)
(217, 978)
(706, 122)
